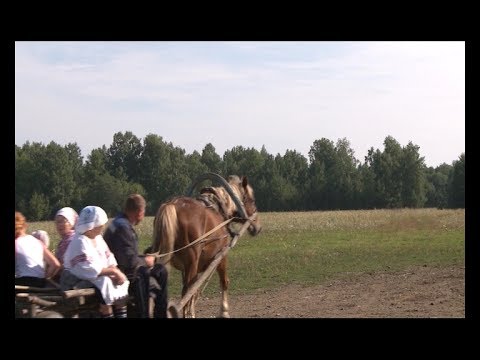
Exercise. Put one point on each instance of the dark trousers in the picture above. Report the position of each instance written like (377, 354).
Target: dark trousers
(150, 283)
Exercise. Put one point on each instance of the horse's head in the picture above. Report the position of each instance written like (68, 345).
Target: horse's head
(246, 196)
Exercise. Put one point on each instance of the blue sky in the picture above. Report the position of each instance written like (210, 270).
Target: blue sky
(283, 95)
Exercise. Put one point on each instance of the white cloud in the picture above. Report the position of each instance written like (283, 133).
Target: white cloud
(366, 91)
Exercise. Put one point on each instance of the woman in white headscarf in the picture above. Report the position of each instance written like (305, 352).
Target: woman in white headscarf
(89, 258)
(65, 220)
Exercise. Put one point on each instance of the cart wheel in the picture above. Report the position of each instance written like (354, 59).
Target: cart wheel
(49, 315)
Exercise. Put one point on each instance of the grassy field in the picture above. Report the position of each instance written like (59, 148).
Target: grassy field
(311, 247)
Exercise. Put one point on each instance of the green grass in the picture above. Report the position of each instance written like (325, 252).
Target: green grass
(311, 258)
(309, 248)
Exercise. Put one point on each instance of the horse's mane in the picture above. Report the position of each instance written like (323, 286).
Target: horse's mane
(236, 185)
(229, 205)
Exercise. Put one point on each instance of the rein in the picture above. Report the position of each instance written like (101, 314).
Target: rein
(158, 255)
(221, 209)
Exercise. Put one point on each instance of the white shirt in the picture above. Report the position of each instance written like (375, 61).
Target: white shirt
(29, 257)
(86, 261)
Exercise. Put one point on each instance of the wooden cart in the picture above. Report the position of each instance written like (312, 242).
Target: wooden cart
(31, 302)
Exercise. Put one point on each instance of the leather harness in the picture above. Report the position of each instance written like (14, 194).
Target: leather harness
(211, 199)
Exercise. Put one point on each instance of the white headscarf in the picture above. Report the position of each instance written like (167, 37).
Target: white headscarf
(90, 217)
(69, 214)
(42, 235)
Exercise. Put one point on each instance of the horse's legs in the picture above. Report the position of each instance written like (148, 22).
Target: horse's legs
(191, 306)
(186, 308)
(193, 302)
(189, 278)
(189, 309)
(224, 281)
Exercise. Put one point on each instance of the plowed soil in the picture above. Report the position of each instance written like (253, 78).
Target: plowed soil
(425, 292)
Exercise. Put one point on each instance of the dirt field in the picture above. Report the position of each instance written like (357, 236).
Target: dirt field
(425, 292)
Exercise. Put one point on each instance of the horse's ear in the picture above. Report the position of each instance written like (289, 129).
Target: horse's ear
(244, 181)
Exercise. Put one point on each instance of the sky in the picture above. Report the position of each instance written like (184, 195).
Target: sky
(281, 95)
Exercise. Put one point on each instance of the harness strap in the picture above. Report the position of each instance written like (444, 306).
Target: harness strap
(158, 255)
(211, 198)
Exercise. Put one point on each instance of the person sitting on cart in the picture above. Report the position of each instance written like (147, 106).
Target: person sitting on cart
(147, 279)
(65, 220)
(34, 263)
(88, 260)
(43, 236)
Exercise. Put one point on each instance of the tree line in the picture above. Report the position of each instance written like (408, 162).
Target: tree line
(49, 177)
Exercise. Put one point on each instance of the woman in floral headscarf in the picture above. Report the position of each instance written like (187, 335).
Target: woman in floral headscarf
(65, 220)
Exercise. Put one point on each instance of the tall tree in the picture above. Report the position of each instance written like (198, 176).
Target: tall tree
(387, 173)
(344, 176)
(369, 197)
(293, 168)
(413, 183)
(163, 171)
(264, 176)
(243, 161)
(195, 166)
(76, 166)
(257, 166)
(457, 187)
(322, 160)
(104, 189)
(391, 172)
(38, 207)
(28, 168)
(438, 185)
(47, 173)
(211, 159)
(123, 155)
(96, 163)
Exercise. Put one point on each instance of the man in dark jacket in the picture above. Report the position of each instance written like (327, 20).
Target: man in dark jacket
(147, 279)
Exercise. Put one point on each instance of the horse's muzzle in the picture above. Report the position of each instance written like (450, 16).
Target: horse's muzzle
(254, 229)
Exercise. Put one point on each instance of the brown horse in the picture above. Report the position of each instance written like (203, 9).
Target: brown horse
(184, 219)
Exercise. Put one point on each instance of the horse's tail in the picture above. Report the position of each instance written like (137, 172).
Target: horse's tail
(165, 231)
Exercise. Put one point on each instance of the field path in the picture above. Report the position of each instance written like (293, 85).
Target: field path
(417, 292)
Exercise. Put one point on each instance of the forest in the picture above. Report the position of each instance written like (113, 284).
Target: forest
(49, 177)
